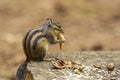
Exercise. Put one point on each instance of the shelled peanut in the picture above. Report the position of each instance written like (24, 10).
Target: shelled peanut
(62, 38)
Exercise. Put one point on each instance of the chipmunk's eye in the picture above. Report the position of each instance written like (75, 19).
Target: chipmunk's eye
(59, 26)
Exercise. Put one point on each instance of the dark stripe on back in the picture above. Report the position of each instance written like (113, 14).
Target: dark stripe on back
(36, 41)
(30, 38)
(24, 42)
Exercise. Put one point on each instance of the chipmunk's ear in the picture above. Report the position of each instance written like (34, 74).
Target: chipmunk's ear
(49, 20)
(45, 25)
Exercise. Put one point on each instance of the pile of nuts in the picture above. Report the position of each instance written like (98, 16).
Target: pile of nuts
(62, 64)
(97, 71)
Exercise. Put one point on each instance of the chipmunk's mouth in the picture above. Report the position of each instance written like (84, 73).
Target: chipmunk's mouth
(61, 39)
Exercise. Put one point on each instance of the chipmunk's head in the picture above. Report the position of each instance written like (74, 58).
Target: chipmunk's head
(53, 28)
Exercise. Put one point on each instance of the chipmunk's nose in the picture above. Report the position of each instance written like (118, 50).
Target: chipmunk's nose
(62, 31)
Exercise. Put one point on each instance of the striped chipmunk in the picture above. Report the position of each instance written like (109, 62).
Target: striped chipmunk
(36, 42)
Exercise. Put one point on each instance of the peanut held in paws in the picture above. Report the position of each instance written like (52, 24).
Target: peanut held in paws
(62, 40)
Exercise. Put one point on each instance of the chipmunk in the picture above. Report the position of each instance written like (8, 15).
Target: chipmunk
(36, 42)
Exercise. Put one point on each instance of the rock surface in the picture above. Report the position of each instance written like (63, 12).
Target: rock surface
(44, 70)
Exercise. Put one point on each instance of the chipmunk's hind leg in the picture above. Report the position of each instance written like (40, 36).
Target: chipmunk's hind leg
(39, 55)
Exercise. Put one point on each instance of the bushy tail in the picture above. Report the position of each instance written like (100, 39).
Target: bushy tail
(22, 69)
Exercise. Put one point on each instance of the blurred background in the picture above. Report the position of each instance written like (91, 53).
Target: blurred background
(88, 25)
